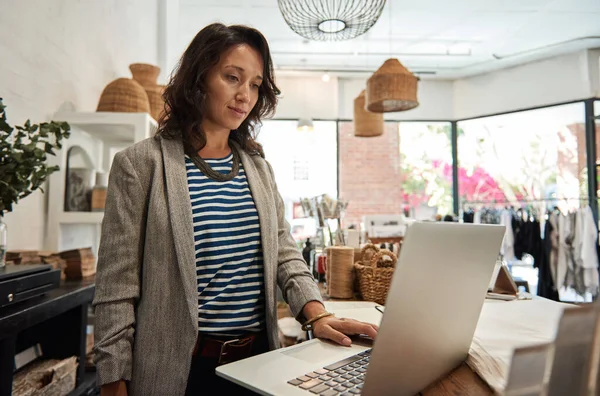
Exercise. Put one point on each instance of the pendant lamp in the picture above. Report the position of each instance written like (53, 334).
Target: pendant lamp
(366, 123)
(305, 125)
(391, 88)
(330, 20)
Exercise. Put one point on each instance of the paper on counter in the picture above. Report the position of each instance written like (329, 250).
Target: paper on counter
(504, 326)
(363, 311)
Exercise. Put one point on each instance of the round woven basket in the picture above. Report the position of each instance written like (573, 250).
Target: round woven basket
(374, 280)
(340, 272)
(157, 103)
(124, 95)
(366, 123)
(391, 88)
(147, 75)
(144, 73)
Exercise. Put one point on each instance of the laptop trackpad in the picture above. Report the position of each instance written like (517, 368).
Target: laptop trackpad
(321, 351)
(312, 352)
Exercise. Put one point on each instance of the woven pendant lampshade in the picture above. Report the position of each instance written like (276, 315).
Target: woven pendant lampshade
(391, 88)
(366, 124)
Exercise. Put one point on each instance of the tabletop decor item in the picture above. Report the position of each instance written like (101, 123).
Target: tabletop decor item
(124, 95)
(340, 272)
(23, 168)
(375, 278)
(146, 75)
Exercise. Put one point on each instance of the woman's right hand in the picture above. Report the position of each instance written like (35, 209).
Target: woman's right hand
(118, 388)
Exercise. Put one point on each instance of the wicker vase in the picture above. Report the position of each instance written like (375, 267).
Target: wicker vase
(366, 124)
(391, 88)
(144, 73)
(124, 95)
(147, 75)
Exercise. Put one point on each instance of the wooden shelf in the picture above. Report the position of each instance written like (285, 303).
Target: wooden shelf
(81, 217)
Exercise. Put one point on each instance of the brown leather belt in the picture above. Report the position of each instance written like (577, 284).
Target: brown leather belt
(225, 349)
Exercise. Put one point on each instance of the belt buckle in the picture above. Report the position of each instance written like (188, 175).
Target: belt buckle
(223, 353)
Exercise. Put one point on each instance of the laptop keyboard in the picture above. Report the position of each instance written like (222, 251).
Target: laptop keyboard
(341, 378)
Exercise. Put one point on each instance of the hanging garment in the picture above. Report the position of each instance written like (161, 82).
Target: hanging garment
(508, 243)
(545, 287)
(477, 217)
(574, 277)
(530, 241)
(570, 250)
(552, 237)
(490, 216)
(518, 233)
(468, 216)
(562, 262)
(589, 256)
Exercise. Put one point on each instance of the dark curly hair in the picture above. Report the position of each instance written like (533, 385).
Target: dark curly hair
(185, 94)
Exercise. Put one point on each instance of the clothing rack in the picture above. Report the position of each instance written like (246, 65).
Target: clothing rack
(503, 201)
(519, 201)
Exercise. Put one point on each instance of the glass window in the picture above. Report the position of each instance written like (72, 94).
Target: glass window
(597, 124)
(537, 154)
(407, 170)
(305, 165)
(533, 160)
(426, 168)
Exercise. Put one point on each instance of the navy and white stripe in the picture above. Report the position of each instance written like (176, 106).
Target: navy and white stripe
(229, 258)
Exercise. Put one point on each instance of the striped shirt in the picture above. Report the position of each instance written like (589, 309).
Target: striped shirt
(229, 259)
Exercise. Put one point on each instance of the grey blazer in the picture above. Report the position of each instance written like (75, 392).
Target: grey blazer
(146, 299)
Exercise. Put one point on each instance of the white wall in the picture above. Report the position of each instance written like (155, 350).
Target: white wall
(563, 78)
(435, 100)
(61, 51)
(594, 71)
(310, 96)
(307, 97)
(549, 81)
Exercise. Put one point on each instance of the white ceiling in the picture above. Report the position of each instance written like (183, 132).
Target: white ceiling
(441, 38)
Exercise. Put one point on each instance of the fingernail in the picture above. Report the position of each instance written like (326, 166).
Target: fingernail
(346, 342)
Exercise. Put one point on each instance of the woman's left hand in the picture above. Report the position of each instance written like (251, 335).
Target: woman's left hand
(338, 329)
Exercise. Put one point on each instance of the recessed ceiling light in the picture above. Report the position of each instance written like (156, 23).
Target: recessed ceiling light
(325, 77)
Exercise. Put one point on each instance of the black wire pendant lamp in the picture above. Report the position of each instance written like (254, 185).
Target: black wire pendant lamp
(330, 20)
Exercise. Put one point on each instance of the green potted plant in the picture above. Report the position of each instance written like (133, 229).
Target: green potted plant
(23, 168)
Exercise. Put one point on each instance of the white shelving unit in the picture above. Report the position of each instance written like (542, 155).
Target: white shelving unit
(101, 135)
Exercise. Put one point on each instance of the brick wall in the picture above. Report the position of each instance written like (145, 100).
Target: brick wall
(369, 172)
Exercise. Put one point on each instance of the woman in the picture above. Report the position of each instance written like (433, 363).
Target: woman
(194, 239)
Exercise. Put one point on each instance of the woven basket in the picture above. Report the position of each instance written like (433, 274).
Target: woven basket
(391, 88)
(124, 95)
(366, 124)
(367, 253)
(147, 75)
(144, 73)
(157, 103)
(375, 279)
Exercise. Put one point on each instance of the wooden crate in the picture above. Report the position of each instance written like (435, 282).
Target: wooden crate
(46, 378)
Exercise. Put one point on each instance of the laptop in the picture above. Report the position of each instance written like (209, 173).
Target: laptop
(431, 312)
